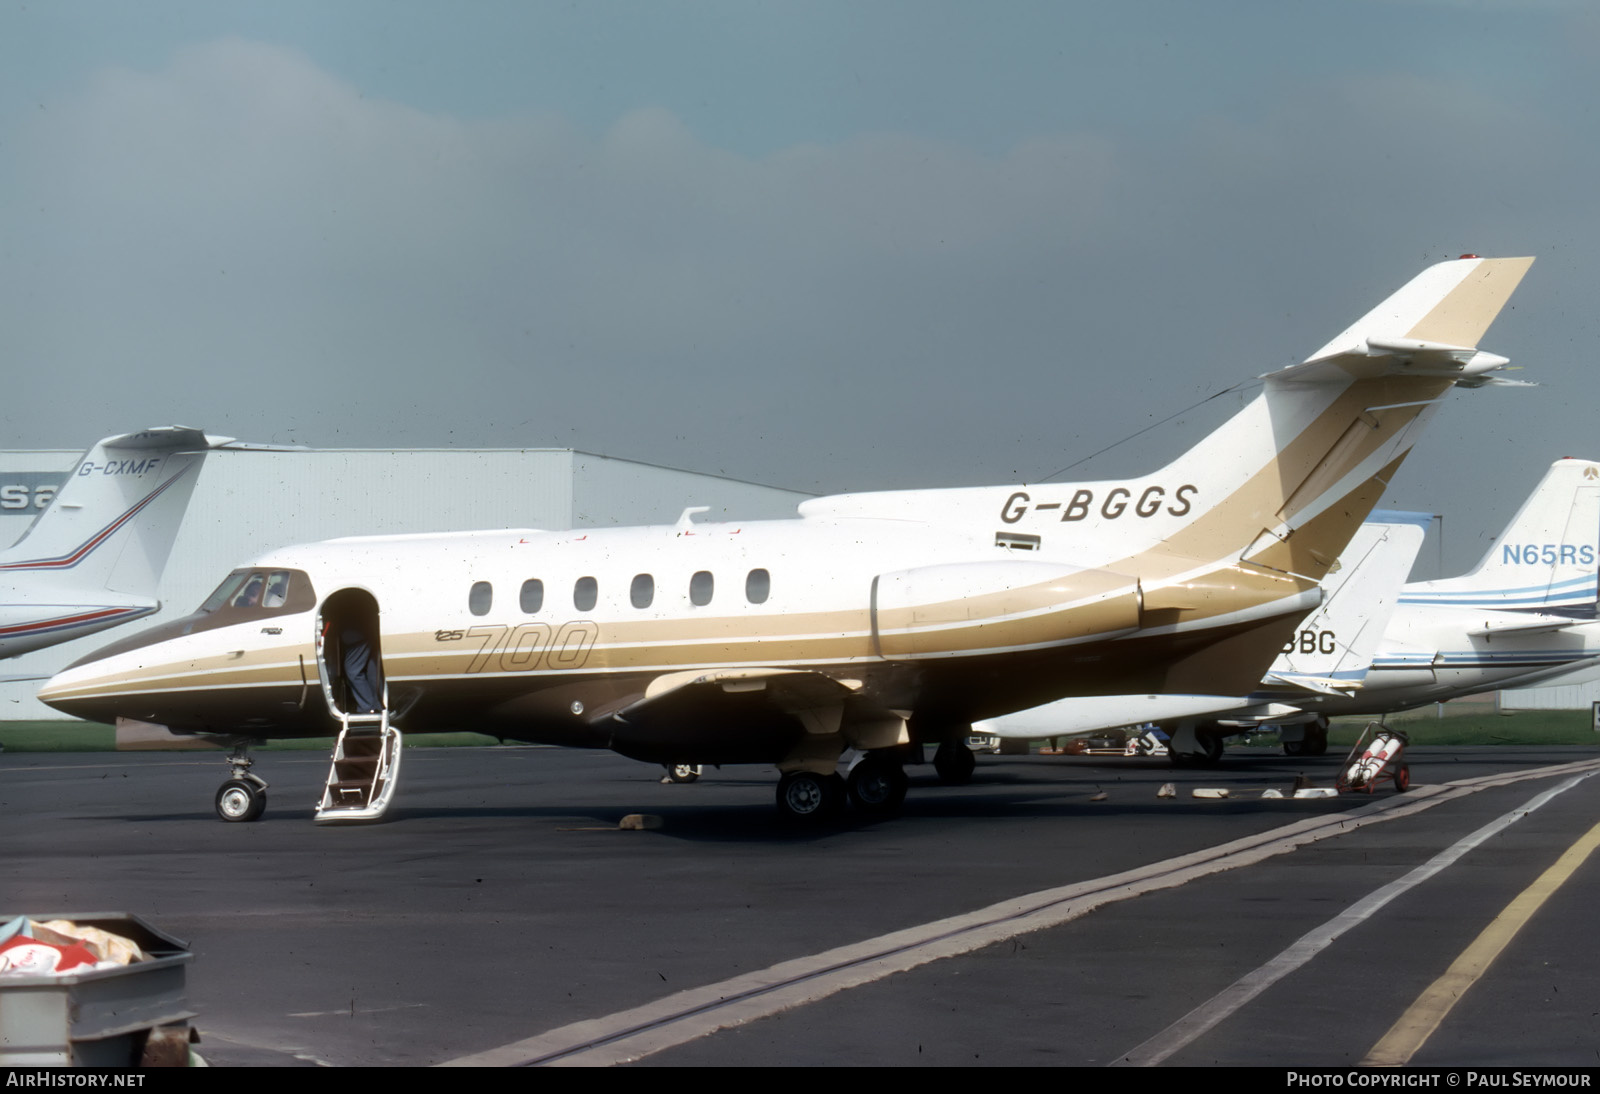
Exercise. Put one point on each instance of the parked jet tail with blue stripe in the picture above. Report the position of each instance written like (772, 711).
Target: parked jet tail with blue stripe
(1544, 561)
(93, 558)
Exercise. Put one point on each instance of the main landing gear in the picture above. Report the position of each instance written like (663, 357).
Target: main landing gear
(244, 796)
(1195, 748)
(1313, 740)
(955, 763)
(876, 786)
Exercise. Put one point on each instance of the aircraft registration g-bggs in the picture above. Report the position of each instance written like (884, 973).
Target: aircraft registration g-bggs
(1526, 614)
(873, 622)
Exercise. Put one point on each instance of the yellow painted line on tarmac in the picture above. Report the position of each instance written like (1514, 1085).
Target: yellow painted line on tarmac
(1226, 1003)
(1420, 1020)
(683, 1016)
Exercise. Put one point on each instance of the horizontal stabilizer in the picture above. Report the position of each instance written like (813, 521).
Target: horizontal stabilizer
(1430, 327)
(175, 437)
(1322, 685)
(1525, 624)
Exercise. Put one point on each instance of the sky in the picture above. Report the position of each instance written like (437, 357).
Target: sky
(827, 246)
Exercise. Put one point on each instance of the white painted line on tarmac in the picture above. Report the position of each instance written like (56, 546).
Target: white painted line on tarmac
(687, 1015)
(1413, 1028)
(1225, 1003)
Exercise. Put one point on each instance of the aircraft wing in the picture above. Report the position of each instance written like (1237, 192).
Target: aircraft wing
(1077, 715)
(704, 714)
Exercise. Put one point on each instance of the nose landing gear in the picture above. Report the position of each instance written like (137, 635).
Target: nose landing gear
(244, 796)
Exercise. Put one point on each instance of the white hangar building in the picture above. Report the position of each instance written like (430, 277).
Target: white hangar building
(249, 501)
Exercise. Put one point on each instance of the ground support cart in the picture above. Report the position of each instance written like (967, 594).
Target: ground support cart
(1377, 757)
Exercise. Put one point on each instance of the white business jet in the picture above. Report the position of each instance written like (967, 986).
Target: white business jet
(877, 623)
(93, 558)
(1524, 615)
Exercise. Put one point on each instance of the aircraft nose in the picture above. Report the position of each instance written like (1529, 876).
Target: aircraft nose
(69, 692)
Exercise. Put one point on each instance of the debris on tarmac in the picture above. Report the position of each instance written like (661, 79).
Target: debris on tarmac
(640, 822)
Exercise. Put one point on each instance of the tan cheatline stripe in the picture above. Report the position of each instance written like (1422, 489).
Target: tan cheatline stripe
(1462, 317)
(687, 1015)
(1423, 1017)
(1220, 531)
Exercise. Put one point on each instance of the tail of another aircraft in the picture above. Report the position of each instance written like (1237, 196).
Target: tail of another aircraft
(1334, 646)
(1545, 560)
(111, 526)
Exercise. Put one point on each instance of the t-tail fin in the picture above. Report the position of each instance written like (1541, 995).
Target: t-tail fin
(112, 524)
(1308, 460)
(1545, 559)
(1335, 645)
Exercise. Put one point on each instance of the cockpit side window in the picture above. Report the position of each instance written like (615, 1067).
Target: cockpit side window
(252, 594)
(243, 596)
(277, 594)
(248, 590)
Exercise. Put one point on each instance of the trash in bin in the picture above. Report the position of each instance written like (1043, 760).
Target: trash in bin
(103, 989)
(32, 948)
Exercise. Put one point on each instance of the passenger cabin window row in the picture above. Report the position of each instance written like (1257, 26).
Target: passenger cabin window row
(641, 592)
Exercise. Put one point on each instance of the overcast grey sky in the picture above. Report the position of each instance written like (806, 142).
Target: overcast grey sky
(831, 246)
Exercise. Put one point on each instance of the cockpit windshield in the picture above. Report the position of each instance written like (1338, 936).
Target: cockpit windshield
(243, 596)
(261, 590)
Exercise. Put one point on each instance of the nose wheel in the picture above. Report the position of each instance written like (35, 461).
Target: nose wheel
(244, 796)
(240, 800)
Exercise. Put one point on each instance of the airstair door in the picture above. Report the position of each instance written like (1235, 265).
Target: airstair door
(365, 765)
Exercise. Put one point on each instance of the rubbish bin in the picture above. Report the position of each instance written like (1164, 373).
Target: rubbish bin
(119, 1017)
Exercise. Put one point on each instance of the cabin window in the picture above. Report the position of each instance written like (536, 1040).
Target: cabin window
(481, 598)
(532, 596)
(585, 593)
(701, 586)
(757, 586)
(643, 590)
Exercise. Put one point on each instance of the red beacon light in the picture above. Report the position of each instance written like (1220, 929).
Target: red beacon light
(1469, 256)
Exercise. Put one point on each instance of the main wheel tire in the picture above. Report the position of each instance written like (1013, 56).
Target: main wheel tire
(954, 763)
(808, 797)
(1316, 741)
(1210, 748)
(877, 786)
(1295, 748)
(240, 800)
(683, 773)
